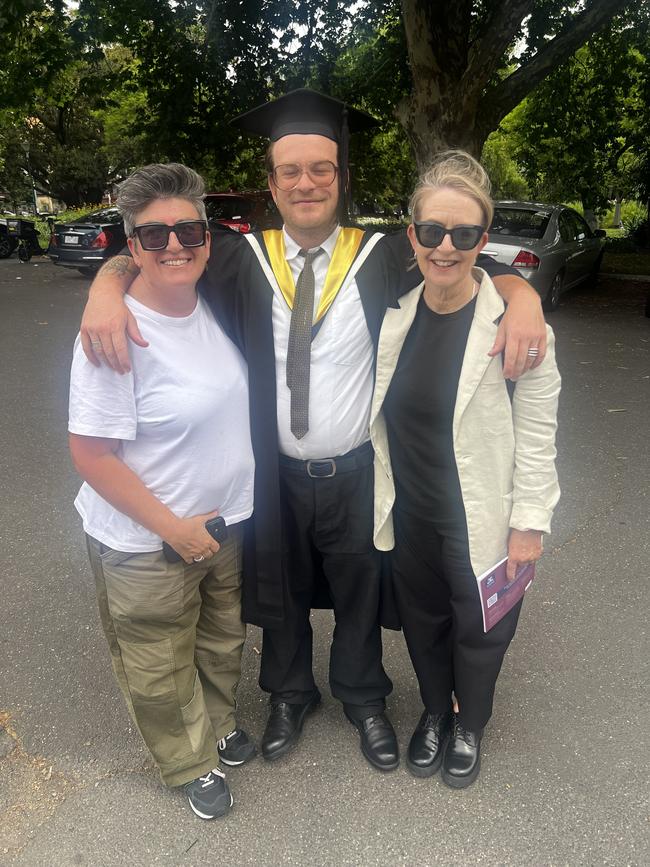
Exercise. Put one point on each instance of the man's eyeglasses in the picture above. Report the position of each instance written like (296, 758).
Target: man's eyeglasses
(321, 173)
(155, 236)
(462, 237)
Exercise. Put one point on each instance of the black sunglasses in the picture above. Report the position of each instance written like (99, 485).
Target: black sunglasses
(462, 237)
(155, 236)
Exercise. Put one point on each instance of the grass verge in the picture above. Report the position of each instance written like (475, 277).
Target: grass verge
(626, 263)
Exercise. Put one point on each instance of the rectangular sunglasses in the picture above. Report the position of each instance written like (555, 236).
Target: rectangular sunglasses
(462, 237)
(155, 236)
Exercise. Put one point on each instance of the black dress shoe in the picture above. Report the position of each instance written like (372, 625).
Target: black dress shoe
(461, 760)
(378, 741)
(284, 726)
(424, 754)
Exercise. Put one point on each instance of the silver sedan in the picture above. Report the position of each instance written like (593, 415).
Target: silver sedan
(551, 245)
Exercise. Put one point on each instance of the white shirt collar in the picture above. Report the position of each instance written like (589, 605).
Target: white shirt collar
(292, 249)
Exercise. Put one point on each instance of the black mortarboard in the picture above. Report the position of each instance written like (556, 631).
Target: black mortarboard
(307, 112)
(304, 112)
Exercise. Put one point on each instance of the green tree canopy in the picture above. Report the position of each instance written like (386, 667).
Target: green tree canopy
(140, 80)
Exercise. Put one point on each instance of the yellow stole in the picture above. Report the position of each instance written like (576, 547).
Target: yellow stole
(345, 251)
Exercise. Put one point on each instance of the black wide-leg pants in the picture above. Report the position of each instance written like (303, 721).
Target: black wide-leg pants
(327, 536)
(438, 603)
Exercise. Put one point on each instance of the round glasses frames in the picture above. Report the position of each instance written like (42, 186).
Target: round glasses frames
(288, 175)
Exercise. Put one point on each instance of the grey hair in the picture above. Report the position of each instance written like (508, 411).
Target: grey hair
(460, 171)
(159, 181)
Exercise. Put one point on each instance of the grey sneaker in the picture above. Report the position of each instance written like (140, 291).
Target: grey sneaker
(209, 796)
(236, 748)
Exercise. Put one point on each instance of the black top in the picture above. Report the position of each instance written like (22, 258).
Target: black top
(419, 411)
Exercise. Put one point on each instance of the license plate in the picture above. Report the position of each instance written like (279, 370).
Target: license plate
(70, 239)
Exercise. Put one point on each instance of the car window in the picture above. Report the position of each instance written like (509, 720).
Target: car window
(521, 222)
(582, 226)
(227, 207)
(568, 228)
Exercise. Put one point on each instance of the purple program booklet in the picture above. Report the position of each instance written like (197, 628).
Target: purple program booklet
(498, 595)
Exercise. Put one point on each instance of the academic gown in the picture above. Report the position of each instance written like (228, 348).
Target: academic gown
(241, 298)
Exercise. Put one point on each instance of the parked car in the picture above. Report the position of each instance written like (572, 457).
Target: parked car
(7, 243)
(87, 242)
(244, 212)
(551, 245)
(16, 232)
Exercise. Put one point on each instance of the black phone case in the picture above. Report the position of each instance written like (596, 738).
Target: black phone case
(216, 527)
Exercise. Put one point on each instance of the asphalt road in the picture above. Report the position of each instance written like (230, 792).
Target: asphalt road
(565, 767)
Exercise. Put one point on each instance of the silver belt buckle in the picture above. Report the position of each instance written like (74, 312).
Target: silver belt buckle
(321, 475)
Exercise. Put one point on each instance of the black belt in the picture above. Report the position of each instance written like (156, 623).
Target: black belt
(325, 468)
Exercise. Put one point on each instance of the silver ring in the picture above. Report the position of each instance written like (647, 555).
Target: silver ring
(533, 352)
(96, 344)
(199, 558)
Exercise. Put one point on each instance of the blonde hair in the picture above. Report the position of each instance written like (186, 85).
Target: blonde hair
(460, 171)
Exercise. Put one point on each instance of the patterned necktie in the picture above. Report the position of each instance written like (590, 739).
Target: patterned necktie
(299, 348)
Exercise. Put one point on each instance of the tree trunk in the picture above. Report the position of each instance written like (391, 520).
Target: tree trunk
(431, 132)
(453, 102)
(440, 111)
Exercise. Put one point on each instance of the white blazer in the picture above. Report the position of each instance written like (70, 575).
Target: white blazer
(505, 452)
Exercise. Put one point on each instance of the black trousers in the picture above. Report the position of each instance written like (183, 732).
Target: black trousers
(327, 537)
(439, 606)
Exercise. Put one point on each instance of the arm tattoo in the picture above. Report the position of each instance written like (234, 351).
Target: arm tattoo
(120, 265)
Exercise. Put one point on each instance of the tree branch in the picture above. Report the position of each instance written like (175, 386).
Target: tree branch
(500, 30)
(510, 92)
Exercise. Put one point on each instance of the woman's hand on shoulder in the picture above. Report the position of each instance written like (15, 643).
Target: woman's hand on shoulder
(521, 328)
(524, 546)
(107, 322)
(189, 538)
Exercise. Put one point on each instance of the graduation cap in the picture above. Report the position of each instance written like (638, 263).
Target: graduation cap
(304, 112)
(307, 112)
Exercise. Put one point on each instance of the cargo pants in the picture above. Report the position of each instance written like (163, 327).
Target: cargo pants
(176, 636)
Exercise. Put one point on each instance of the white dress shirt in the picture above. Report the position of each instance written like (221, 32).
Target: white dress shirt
(341, 377)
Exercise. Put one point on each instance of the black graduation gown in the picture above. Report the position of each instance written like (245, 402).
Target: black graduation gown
(241, 298)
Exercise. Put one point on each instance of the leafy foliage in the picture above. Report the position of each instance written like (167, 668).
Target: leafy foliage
(92, 92)
(577, 133)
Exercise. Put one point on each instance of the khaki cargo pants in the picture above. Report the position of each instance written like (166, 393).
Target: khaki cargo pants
(176, 636)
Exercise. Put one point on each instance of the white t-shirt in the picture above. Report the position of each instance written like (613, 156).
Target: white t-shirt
(181, 415)
(341, 374)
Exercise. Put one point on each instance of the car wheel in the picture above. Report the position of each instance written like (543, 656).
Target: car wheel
(24, 253)
(7, 246)
(552, 300)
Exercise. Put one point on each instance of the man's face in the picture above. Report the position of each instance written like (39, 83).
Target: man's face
(306, 207)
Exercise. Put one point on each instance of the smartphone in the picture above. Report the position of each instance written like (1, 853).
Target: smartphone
(216, 527)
